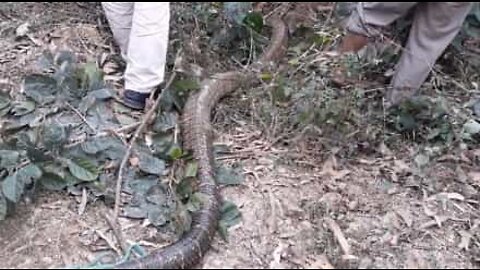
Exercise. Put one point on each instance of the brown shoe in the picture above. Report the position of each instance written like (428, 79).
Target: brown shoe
(351, 43)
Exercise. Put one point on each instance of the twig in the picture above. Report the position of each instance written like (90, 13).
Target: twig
(339, 235)
(81, 117)
(117, 232)
(109, 242)
(139, 130)
(104, 133)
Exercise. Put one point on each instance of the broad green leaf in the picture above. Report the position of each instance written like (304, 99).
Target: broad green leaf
(64, 56)
(40, 88)
(162, 143)
(230, 213)
(46, 61)
(151, 164)
(116, 151)
(8, 159)
(83, 169)
(421, 160)
(53, 181)
(102, 94)
(230, 216)
(4, 101)
(125, 120)
(223, 230)
(254, 20)
(266, 76)
(185, 189)
(186, 85)
(406, 122)
(3, 207)
(156, 195)
(5, 111)
(135, 212)
(196, 201)
(156, 216)
(236, 11)
(92, 77)
(228, 176)
(165, 122)
(472, 127)
(175, 152)
(21, 108)
(140, 185)
(54, 135)
(97, 144)
(121, 109)
(12, 188)
(29, 172)
(191, 170)
(16, 124)
(86, 103)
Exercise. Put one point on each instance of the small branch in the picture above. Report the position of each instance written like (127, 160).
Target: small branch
(81, 117)
(117, 232)
(139, 130)
(337, 232)
(109, 242)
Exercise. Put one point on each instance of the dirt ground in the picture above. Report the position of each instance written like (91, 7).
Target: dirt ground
(300, 209)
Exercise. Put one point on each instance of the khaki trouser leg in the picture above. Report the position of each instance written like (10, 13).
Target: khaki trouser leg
(368, 17)
(434, 27)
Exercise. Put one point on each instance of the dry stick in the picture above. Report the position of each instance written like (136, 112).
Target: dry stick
(117, 232)
(81, 117)
(146, 118)
(339, 235)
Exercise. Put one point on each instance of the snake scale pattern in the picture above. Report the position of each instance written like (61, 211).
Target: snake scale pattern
(197, 131)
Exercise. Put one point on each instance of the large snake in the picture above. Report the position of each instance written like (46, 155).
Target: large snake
(198, 138)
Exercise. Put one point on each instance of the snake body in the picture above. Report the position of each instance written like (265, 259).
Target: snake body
(198, 138)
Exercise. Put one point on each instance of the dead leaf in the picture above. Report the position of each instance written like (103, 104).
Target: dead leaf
(401, 166)
(465, 241)
(406, 216)
(134, 161)
(328, 169)
(277, 256)
(384, 150)
(475, 177)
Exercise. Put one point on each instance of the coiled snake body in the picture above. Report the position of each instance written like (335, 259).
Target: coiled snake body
(196, 129)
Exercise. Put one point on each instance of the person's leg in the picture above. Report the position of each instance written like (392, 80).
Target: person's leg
(147, 51)
(365, 23)
(434, 27)
(119, 16)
